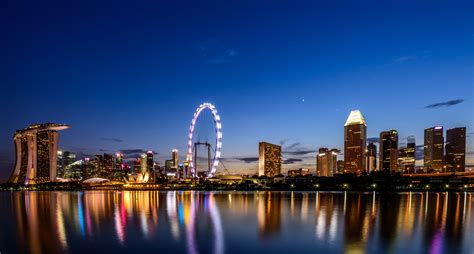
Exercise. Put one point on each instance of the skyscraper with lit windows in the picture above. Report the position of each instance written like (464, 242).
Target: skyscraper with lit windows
(269, 159)
(371, 157)
(433, 149)
(455, 158)
(388, 150)
(36, 153)
(355, 134)
(326, 162)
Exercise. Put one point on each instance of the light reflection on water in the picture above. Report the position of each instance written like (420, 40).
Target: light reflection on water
(235, 222)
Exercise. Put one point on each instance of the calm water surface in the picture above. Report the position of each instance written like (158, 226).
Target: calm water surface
(235, 222)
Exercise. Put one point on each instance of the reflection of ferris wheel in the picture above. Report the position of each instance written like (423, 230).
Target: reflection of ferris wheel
(218, 145)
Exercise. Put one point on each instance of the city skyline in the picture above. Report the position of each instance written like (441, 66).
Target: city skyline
(132, 86)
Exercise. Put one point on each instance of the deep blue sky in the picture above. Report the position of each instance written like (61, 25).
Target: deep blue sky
(129, 75)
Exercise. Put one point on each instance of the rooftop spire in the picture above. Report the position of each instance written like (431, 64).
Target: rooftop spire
(355, 118)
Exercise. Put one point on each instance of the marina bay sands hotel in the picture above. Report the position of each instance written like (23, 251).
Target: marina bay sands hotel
(36, 153)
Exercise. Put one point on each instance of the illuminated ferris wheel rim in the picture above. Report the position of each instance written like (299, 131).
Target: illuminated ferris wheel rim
(218, 145)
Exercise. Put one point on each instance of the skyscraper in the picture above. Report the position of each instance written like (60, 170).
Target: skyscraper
(64, 160)
(406, 156)
(388, 150)
(174, 157)
(355, 134)
(371, 157)
(36, 153)
(119, 162)
(433, 148)
(456, 149)
(269, 159)
(326, 162)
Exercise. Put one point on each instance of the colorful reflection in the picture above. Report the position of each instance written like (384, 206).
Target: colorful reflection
(235, 222)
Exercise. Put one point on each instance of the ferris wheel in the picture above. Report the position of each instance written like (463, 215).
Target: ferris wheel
(218, 144)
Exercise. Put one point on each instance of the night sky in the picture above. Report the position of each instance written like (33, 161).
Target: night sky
(128, 76)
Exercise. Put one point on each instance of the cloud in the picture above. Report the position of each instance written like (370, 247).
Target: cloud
(294, 145)
(247, 159)
(373, 140)
(297, 149)
(291, 161)
(299, 152)
(445, 104)
(131, 151)
(112, 140)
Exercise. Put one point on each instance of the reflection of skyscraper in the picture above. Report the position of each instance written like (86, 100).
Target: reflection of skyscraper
(36, 153)
(389, 150)
(269, 159)
(371, 157)
(456, 149)
(269, 214)
(355, 133)
(326, 162)
(433, 148)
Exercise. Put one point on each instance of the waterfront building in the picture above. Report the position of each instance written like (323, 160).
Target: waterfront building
(340, 166)
(388, 159)
(269, 159)
(433, 149)
(174, 158)
(326, 162)
(455, 159)
(355, 134)
(371, 157)
(119, 161)
(298, 172)
(406, 156)
(36, 153)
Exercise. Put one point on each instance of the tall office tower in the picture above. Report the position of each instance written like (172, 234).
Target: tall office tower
(409, 159)
(433, 148)
(326, 162)
(355, 134)
(174, 157)
(36, 153)
(388, 150)
(119, 161)
(64, 160)
(371, 157)
(269, 159)
(144, 164)
(456, 149)
(60, 164)
(149, 161)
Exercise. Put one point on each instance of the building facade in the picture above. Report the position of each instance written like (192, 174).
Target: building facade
(388, 150)
(355, 134)
(269, 159)
(455, 159)
(36, 153)
(406, 156)
(326, 162)
(371, 157)
(433, 149)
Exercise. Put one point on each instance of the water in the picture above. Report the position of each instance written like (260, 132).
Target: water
(235, 222)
